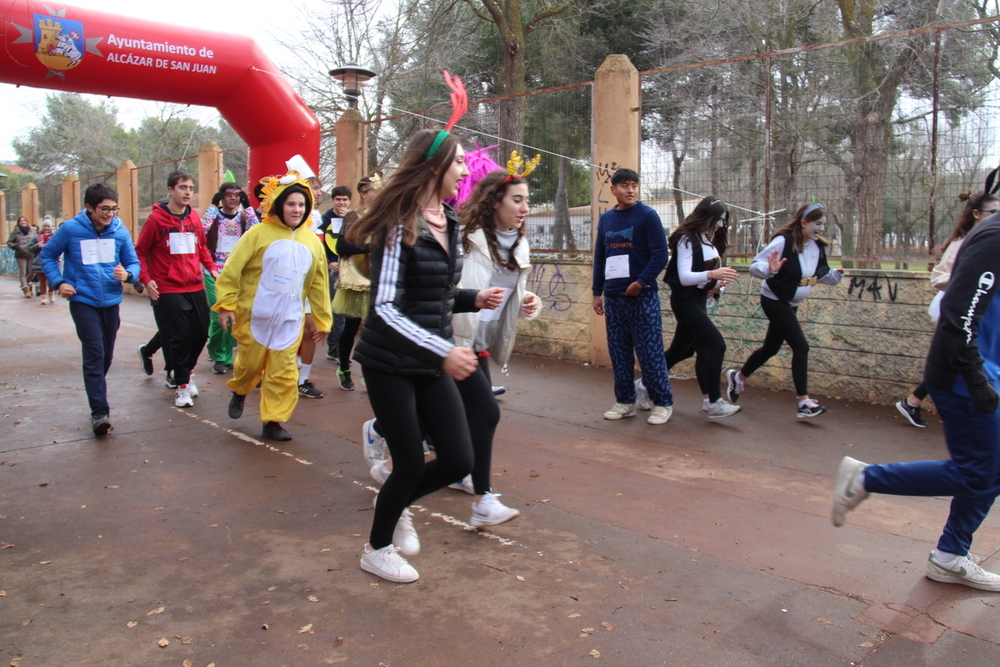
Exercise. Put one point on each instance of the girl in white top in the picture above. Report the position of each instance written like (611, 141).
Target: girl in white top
(790, 265)
(978, 205)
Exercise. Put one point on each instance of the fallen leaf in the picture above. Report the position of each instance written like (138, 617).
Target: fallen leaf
(866, 644)
(273, 588)
(313, 598)
(44, 562)
(4, 545)
(574, 616)
(520, 578)
(594, 653)
(607, 626)
(3, 594)
(113, 486)
(820, 619)
(163, 643)
(340, 641)
(188, 663)
(264, 627)
(158, 610)
(280, 512)
(305, 628)
(588, 630)
(323, 551)
(131, 624)
(184, 640)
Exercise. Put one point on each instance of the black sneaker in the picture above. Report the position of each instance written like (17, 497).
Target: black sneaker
(810, 409)
(169, 380)
(307, 390)
(497, 391)
(911, 413)
(101, 424)
(345, 380)
(236, 405)
(273, 431)
(733, 385)
(333, 355)
(144, 361)
(219, 367)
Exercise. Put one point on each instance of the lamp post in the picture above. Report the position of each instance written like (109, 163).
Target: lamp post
(352, 77)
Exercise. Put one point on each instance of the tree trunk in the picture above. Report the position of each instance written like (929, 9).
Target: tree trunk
(562, 229)
(873, 133)
(678, 197)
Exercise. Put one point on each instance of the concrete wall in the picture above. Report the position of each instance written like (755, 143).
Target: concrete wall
(868, 336)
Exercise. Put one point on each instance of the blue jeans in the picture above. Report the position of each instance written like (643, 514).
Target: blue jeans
(97, 329)
(635, 323)
(971, 476)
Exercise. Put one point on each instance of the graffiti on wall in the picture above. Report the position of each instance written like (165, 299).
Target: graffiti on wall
(603, 174)
(548, 282)
(877, 287)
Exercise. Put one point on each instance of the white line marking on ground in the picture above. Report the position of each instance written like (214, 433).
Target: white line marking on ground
(244, 437)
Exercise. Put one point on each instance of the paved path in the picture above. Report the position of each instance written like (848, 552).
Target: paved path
(693, 543)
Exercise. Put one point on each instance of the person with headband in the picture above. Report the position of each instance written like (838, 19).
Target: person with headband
(695, 274)
(44, 289)
(790, 265)
(978, 206)
(408, 359)
(273, 269)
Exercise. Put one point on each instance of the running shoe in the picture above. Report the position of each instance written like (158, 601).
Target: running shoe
(619, 410)
(307, 390)
(810, 408)
(345, 380)
(373, 445)
(642, 396)
(388, 564)
(497, 391)
(721, 409)
(464, 485)
(219, 367)
(660, 414)
(964, 570)
(912, 413)
(734, 385)
(145, 362)
(491, 512)
(848, 489)
(100, 424)
(182, 397)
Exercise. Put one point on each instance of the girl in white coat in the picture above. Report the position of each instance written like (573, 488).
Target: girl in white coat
(496, 255)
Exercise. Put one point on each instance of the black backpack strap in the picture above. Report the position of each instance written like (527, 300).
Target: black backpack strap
(992, 182)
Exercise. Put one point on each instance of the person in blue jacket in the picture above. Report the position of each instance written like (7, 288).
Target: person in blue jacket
(98, 256)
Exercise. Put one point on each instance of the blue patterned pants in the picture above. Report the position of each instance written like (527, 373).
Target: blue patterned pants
(635, 323)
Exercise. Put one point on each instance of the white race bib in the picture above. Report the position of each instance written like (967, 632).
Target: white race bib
(282, 279)
(182, 243)
(226, 244)
(490, 315)
(97, 251)
(616, 266)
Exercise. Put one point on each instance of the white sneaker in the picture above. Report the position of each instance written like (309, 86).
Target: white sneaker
(619, 410)
(379, 473)
(660, 414)
(721, 409)
(464, 485)
(182, 397)
(388, 564)
(491, 512)
(705, 403)
(405, 535)
(848, 489)
(192, 387)
(963, 570)
(373, 445)
(642, 396)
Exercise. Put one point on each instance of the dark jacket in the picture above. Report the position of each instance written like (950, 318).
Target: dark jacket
(965, 351)
(672, 275)
(786, 281)
(413, 295)
(36, 245)
(19, 240)
(94, 281)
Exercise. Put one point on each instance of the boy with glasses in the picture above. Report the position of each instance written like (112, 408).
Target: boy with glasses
(98, 257)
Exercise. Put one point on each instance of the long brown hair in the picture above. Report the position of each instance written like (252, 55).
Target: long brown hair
(479, 210)
(795, 226)
(397, 202)
(974, 201)
(701, 221)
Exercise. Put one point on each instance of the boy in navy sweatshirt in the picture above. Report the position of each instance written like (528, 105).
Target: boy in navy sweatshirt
(629, 252)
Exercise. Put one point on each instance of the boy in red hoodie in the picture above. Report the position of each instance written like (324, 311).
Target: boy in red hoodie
(172, 252)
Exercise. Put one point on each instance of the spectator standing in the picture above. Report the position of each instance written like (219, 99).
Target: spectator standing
(19, 241)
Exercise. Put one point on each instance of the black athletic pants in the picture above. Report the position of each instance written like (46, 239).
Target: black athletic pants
(783, 327)
(696, 334)
(182, 320)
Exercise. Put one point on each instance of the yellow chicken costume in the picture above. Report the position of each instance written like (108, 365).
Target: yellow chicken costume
(268, 276)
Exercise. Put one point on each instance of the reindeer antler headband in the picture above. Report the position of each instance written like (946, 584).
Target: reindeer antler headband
(517, 162)
(459, 105)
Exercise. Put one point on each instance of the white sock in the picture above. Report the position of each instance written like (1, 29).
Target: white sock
(385, 471)
(945, 557)
(304, 372)
(642, 385)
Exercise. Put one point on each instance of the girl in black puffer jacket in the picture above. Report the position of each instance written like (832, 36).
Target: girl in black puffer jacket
(406, 352)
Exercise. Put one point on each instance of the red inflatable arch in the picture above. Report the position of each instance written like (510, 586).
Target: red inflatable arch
(57, 46)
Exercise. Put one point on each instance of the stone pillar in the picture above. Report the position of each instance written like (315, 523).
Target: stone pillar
(71, 201)
(29, 203)
(210, 171)
(127, 177)
(352, 156)
(615, 138)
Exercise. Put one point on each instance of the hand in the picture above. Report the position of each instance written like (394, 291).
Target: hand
(774, 264)
(334, 266)
(227, 319)
(320, 336)
(635, 289)
(984, 397)
(530, 305)
(460, 363)
(599, 305)
(490, 298)
(214, 273)
(66, 290)
(154, 293)
(841, 271)
(715, 290)
(120, 273)
(726, 273)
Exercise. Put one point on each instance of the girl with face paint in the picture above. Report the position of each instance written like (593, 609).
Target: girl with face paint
(790, 265)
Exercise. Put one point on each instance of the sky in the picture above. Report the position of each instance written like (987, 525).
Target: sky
(21, 107)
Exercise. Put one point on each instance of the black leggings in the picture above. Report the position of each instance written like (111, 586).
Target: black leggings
(182, 320)
(346, 343)
(403, 404)
(783, 327)
(921, 391)
(483, 414)
(696, 334)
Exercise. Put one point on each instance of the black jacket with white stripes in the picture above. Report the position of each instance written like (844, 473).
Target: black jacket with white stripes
(413, 295)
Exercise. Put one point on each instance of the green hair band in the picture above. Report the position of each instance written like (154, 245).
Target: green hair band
(436, 144)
